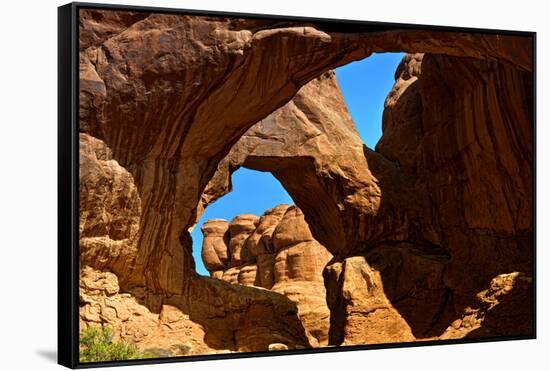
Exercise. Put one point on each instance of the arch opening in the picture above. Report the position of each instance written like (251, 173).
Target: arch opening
(323, 122)
(365, 84)
(362, 88)
(252, 192)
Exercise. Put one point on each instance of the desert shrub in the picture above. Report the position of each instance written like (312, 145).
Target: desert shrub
(97, 345)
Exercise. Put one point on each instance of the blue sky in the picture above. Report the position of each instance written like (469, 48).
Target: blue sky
(253, 193)
(365, 85)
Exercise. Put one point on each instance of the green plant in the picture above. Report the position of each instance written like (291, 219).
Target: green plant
(97, 345)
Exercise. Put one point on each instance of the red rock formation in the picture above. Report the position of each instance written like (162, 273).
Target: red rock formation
(211, 317)
(471, 158)
(312, 147)
(110, 211)
(214, 317)
(283, 256)
(441, 209)
(338, 190)
(361, 312)
(143, 92)
(215, 250)
(240, 228)
(400, 240)
(166, 333)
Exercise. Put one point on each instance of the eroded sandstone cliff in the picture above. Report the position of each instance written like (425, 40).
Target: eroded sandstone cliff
(430, 235)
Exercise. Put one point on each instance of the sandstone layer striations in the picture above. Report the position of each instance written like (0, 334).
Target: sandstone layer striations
(462, 129)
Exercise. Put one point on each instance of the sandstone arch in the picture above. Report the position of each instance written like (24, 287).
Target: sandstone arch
(155, 98)
(143, 93)
(392, 225)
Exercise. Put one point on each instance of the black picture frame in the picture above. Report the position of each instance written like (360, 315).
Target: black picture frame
(68, 181)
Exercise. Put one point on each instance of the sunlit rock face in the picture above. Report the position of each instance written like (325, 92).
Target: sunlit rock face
(362, 312)
(215, 251)
(282, 256)
(170, 105)
(110, 212)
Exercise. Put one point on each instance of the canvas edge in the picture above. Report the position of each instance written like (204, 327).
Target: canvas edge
(67, 190)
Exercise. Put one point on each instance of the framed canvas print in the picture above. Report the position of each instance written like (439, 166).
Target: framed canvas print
(235, 185)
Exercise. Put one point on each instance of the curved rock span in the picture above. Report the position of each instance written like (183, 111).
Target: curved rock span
(428, 236)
